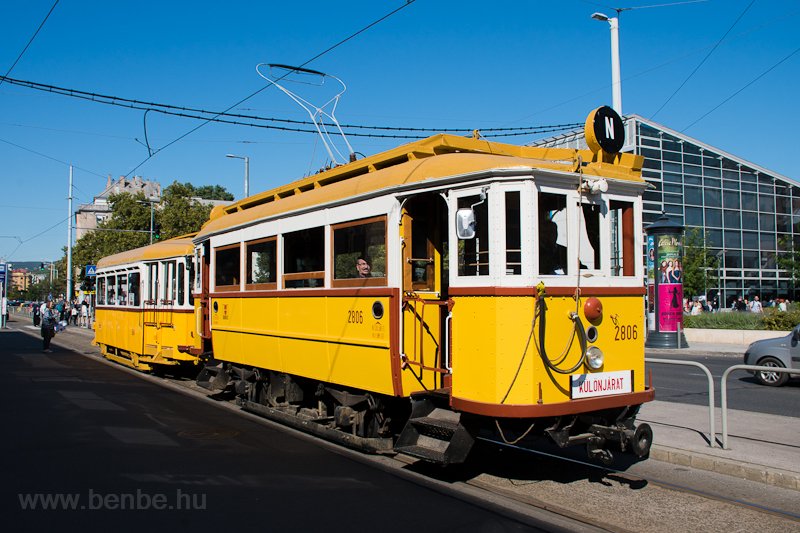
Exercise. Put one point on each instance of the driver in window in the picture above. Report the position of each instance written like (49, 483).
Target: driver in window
(552, 256)
(363, 268)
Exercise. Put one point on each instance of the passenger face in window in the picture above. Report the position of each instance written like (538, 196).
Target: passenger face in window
(363, 268)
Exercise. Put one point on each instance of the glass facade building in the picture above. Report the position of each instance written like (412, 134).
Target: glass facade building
(749, 215)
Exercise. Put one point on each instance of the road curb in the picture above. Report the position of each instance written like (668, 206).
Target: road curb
(749, 471)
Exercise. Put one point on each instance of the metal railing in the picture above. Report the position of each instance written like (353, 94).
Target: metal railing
(724, 392)
(712, 432)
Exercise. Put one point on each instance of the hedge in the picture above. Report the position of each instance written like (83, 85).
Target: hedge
(770, 320)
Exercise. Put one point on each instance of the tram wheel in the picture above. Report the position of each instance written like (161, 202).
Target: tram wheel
(642, 440)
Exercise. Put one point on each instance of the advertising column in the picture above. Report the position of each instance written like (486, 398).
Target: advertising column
(665, 284)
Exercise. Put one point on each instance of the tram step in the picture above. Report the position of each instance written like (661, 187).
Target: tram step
(434, 433)
(435, 427)
(427, 454)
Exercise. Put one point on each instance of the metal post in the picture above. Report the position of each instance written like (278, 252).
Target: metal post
(3, 296)
(246, 171)
(69, 241)
(246, 176)
(724, 392)
(712, 431)
(616, 80)
(151, 222)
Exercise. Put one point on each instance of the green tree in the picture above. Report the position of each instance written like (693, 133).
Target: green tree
(788, 259)
(179, 213)
(128, 227)
(700, 266)
(213, 192)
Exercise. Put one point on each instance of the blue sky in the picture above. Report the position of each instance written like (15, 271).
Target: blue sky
(433, 64)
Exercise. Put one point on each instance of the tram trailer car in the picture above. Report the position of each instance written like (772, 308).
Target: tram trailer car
(503, 298)
(145, 315)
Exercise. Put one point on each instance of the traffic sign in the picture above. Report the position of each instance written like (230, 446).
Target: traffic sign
(91, 270)
(3, 270)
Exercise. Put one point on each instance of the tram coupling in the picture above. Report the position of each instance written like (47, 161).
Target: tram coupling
(634, 439)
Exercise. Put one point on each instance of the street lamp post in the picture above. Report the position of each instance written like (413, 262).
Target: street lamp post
(151, 202)
(616, 82)
(246, 172)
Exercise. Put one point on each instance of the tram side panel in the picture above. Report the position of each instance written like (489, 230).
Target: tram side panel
(177, 329)
(333, 339)
(118, 328)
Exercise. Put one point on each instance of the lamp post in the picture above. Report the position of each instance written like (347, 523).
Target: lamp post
(616, 82)
(246, 172)
(151, 202)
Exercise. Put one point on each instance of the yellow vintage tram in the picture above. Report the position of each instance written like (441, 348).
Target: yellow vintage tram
(145, 308)
(502, 297)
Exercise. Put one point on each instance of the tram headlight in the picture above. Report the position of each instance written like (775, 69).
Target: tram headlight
(594, 357)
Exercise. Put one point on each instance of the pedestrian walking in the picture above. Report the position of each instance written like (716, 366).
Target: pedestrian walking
(85, 313)
(49, 321)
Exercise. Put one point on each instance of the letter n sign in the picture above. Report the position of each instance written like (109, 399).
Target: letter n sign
(604, 130)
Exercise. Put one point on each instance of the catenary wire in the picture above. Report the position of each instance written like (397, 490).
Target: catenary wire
(693, 72)
(196, 113)
(150, 156)
(30, 41)
(50, 157)
(751, 82)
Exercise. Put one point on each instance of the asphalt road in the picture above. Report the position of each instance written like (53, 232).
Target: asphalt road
(114, 452)
(687, 384)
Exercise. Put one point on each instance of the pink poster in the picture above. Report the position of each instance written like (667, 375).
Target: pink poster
(670, 313)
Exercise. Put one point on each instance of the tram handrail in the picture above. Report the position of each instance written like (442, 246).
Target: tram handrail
(724, 392)
(712, 432)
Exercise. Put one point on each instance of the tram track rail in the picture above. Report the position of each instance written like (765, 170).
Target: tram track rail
(485, 488)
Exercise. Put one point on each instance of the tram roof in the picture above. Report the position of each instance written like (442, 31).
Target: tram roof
(158, 250)
(439, 156)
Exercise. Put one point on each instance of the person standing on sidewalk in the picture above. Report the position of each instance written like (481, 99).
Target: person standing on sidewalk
(755, 305)
(49, 320)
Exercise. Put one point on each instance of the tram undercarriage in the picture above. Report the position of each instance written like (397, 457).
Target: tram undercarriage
(424, 427)
(358, 420)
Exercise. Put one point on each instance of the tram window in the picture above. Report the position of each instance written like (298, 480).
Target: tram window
(622, 238)
(357, 243)
(171, 292)
(473, 254)
(262, 264)
(590, 237)
(111, 290)
(180, 284)
(191, 268)
(101, 290)
(552, 234)
(122, 290)
(197, 270)
(152, 286)
(303, 258)
(227, 267)
(133, 289)
(513, 234)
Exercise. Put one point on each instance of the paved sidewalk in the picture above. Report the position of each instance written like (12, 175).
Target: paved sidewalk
(762, 447)
(702, 348)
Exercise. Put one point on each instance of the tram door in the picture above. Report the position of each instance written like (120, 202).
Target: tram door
(151, 337)
(425, 300)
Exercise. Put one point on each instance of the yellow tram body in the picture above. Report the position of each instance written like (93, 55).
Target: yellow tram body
(506, 295)
(269, 333)
(144, 316)
(501, 325)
